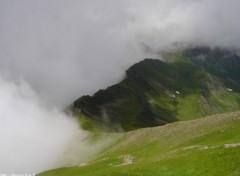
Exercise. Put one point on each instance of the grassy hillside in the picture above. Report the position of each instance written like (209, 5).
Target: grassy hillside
(189, 84)
(204, 147)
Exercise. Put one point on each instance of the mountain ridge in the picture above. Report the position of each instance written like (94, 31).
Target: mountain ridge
(188, 84)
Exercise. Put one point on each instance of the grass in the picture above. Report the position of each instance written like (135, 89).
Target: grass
(238, 53)
(146, 96)
(188, 107)
(226, 101)
(189, 148)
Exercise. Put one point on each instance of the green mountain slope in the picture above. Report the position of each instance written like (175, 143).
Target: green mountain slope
(189, 84)
(203, 147)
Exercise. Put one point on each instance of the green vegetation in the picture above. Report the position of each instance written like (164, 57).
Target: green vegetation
(86, 123)
(177, 94)
(186, 110)
(238, 53)
(190, 84)
(207, 146)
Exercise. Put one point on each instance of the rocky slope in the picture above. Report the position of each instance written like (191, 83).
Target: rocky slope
(184, 85)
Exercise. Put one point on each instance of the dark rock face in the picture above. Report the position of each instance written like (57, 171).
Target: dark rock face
(90, 106)
(156, 92)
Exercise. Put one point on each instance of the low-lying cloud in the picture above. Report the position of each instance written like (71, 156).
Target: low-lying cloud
(64, 49)
(32, 136)
(35, 137)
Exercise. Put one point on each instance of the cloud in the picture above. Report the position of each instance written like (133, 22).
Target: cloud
(32, 136)
(35, 137)
(67, 49)
(64, 49)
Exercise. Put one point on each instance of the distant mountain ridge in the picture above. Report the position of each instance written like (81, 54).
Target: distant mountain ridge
(188, 84)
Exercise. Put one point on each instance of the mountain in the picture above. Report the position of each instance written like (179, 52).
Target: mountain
(203, 147)
(183, 85)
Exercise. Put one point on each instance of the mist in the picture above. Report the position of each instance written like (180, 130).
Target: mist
(36, 137)
(68, 49)
(32, 136)
(55, 51)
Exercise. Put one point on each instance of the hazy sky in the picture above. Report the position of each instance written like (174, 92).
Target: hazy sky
(65, 49)
(53, 51)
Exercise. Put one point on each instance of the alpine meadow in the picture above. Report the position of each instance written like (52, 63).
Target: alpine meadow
(119, 88)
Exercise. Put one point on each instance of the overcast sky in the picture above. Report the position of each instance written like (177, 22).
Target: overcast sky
(65, 49)
(54, 51)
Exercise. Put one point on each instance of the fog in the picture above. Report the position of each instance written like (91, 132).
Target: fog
(67, 49)
(53, 51)
(33, 136)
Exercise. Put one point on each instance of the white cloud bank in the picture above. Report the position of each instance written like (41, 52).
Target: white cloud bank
(32, 136)
(67, 48)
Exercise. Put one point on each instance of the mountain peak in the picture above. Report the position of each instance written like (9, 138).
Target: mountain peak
(188, 84)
